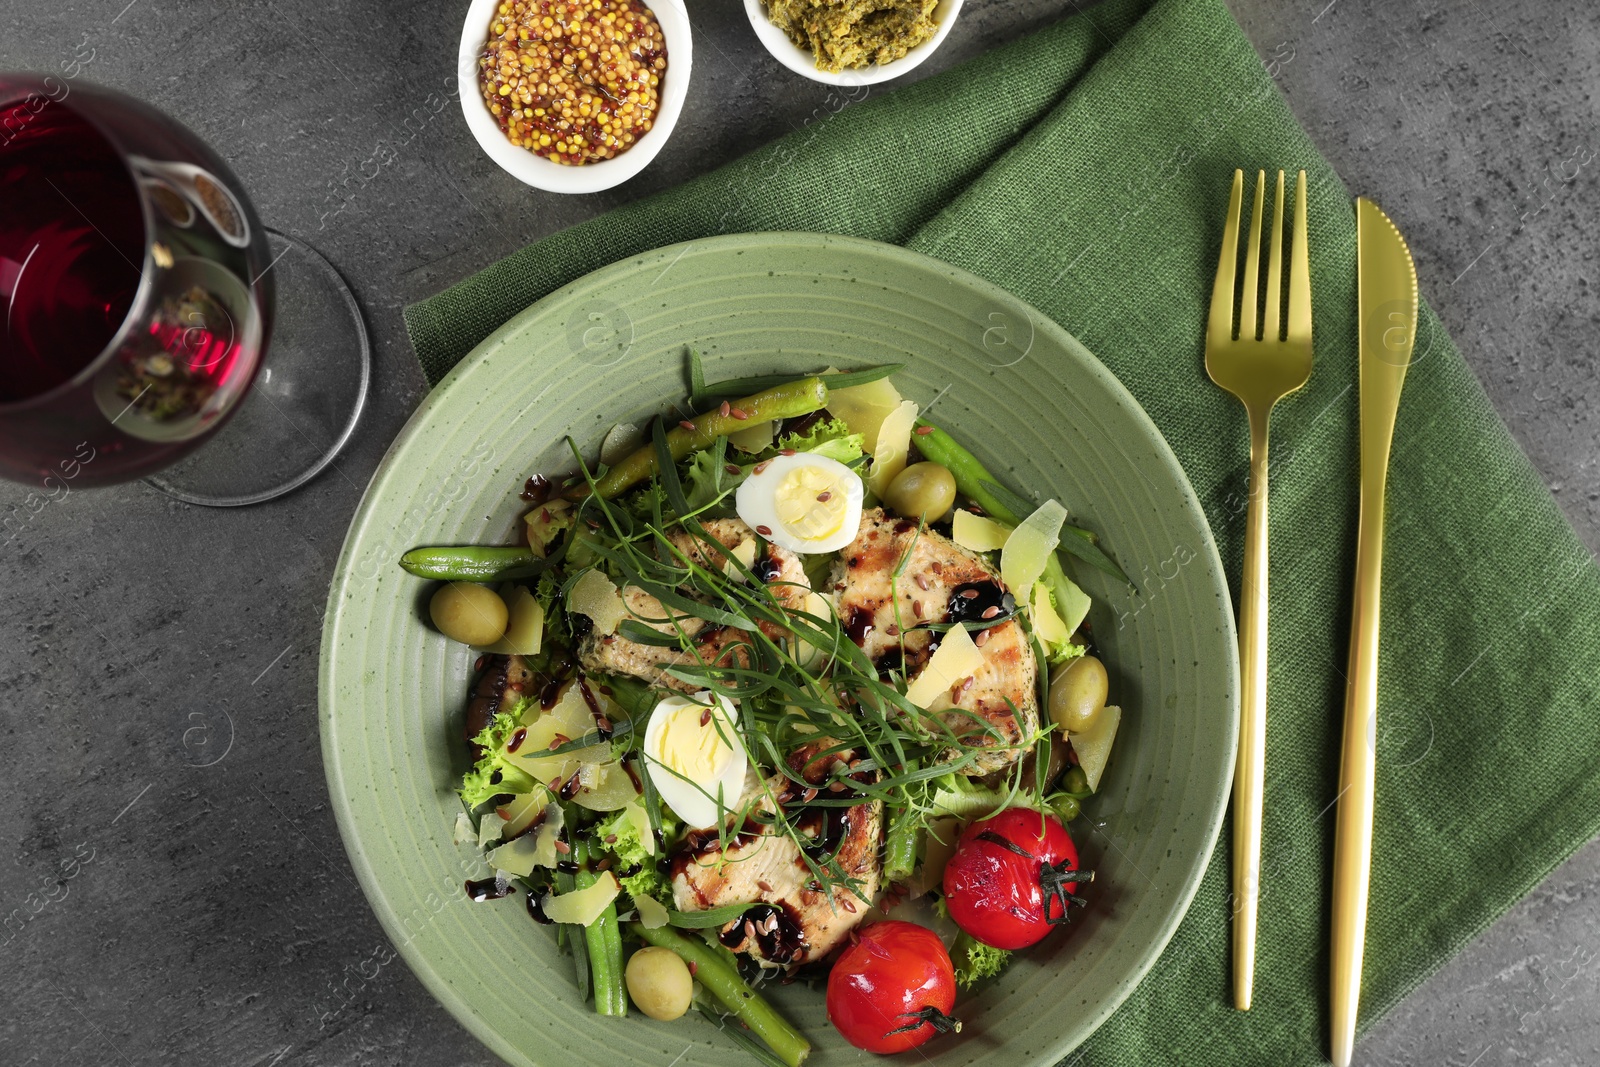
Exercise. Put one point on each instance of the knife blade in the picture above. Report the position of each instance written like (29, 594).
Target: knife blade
(1386, 284)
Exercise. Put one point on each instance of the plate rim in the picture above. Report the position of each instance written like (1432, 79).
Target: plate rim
(450, 997)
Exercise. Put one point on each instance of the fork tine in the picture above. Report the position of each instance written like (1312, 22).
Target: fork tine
(1300, 270)
(1271, 325)
(1252, 265)
(1219, 327)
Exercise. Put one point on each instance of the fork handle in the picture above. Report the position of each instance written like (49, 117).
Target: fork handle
(1250, 766)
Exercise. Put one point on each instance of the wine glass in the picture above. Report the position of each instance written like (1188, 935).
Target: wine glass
(138, 294)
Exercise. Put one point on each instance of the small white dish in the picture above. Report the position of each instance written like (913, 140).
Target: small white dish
(804, 63)
(541, 173)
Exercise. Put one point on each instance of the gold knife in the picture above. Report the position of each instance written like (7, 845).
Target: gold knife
(1386, 284)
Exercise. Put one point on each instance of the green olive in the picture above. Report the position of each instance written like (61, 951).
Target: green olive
(1076, 782)
(922, 491)
(659, 983)
(1077, 693)
(469, 613)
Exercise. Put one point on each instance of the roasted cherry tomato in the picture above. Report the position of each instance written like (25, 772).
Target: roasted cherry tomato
(1008, 882)
(893, 988)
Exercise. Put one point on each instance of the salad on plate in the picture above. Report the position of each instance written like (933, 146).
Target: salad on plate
(786, 689)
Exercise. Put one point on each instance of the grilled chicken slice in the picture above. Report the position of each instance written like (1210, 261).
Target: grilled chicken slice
(779, 568)
(794, 920)
(940, 582)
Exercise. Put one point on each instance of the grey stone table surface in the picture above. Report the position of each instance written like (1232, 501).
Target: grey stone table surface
(176, 891)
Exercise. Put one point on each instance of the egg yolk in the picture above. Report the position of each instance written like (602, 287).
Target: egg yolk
(696, 751)
(810, 503)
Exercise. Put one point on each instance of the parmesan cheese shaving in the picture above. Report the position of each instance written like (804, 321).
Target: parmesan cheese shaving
(955, 658)
(977, 533)
(582, 906)
(893, 446)
(596, 596)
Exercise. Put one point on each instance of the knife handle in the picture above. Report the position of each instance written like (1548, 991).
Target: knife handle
(1358, 769)
(1249, 773)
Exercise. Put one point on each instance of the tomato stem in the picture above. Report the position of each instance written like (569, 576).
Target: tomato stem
(1054, 879)
(929, 1016)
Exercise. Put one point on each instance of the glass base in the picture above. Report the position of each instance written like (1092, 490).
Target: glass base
(306, 400)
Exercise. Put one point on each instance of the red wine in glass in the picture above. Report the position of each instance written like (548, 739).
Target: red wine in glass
(135, 296)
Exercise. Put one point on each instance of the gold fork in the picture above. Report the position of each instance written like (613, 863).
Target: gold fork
(1259, 370)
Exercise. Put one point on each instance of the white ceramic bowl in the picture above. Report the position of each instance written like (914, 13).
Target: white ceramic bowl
(541, 173)
(804, 63)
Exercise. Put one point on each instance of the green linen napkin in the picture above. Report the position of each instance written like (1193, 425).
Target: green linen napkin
(1085, 168)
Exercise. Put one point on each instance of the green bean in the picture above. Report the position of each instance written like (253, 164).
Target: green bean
(900, 850)
(939, 447)
(781, 402)
(603, 938)
(722, 981)
(472, 563)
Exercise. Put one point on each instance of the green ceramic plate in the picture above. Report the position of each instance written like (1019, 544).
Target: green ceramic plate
(1034, 405)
